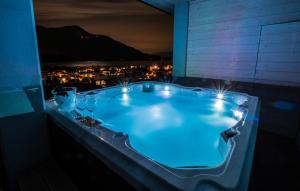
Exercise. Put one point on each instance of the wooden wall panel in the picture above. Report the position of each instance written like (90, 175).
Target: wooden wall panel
(242, 40)
(279, 53)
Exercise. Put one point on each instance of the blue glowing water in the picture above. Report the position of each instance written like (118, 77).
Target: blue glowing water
(173, 127)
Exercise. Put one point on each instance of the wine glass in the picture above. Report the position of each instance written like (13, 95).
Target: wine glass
(81, 106)
(91, 105)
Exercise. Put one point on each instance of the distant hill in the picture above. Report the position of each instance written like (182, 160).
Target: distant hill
(72, 43)
(165, 55)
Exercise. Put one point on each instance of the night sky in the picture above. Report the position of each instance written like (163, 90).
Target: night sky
(129, 21)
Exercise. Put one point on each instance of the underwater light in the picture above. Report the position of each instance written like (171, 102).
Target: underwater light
(220, 96)
(124, 90)
(166, 94)
(125, 97)
(219, 105)
(167, 88)
(238, 114)
(125, 100)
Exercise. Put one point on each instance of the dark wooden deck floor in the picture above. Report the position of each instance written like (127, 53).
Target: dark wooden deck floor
(276, 163)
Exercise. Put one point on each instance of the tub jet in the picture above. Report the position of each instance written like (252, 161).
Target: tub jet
(229, 133)
(148, 87)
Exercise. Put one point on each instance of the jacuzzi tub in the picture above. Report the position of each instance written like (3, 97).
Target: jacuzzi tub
(168, 137)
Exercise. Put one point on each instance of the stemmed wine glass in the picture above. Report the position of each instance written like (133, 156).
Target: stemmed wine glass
(81, 106)
(91, 106)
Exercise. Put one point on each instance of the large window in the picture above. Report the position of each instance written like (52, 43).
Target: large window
(98, 43)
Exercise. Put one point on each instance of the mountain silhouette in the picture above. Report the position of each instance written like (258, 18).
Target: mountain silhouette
(72, 43)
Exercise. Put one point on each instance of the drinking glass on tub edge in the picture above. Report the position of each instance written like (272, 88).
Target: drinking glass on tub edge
(81, 106)
(91, 106)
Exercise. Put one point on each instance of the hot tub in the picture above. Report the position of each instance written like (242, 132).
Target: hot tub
(167, 137)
